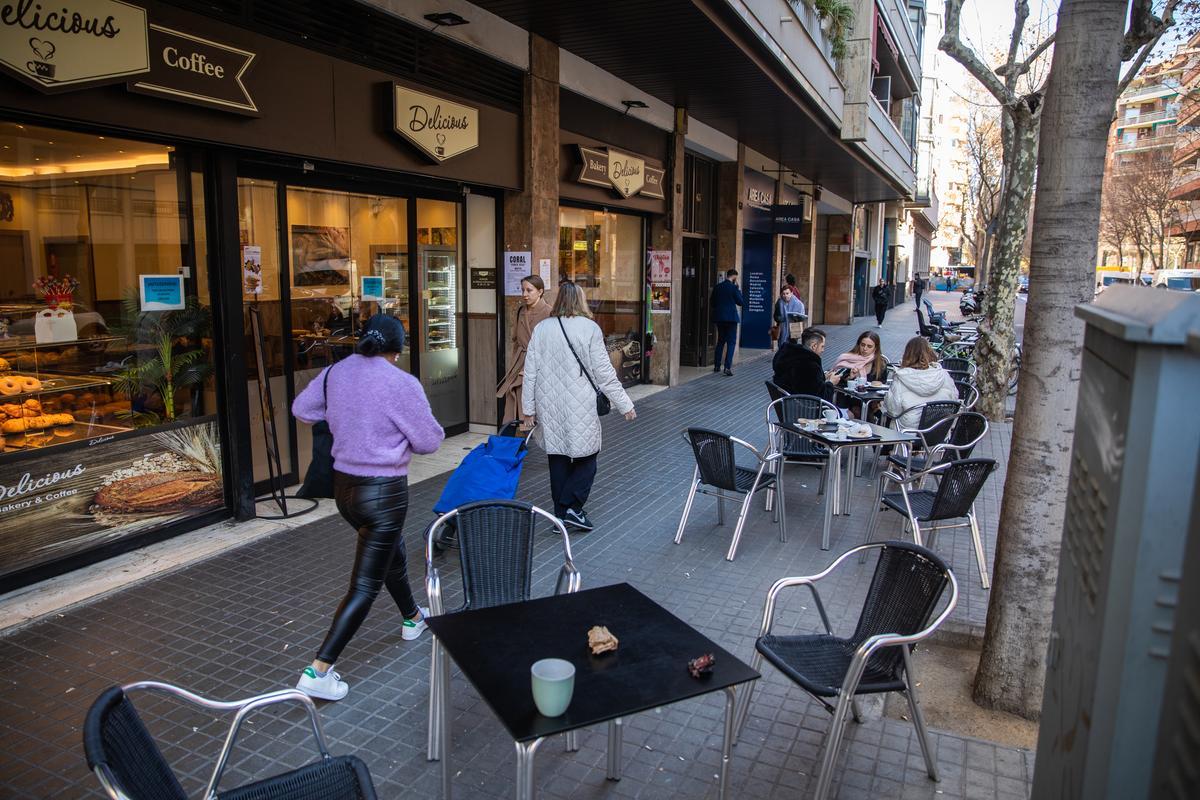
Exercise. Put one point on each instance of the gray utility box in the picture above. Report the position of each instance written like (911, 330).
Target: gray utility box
(1129, 500)
(1177, 756)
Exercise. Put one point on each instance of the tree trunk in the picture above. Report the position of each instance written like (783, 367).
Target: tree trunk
(993, 352)
(1079, 101)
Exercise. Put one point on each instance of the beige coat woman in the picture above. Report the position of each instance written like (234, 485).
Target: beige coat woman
(528, 316)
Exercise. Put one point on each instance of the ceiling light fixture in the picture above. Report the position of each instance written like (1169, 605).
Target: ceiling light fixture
(445, 19)
(632, 104)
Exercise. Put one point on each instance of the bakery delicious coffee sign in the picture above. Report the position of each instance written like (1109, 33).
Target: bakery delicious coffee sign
(198, 71)
(69, 44)
(440, 128)
(614, 169)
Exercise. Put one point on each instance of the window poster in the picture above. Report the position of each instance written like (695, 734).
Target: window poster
(251, 270)
(517, 264)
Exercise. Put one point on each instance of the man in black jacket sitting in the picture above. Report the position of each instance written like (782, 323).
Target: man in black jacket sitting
(798, 368)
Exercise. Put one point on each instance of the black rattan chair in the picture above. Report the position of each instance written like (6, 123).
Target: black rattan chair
(968, 395)
(794, 448)
(495, 551)
(904, 593)
(129, 765)
(776, 391)
(958, 484)
(717, 474)
(958, 364)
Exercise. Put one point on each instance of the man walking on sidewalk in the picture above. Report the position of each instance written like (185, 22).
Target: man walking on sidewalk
(881, 294)
(918, 287)
(725, 301)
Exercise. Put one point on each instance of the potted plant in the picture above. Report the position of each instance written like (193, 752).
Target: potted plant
(170, 358)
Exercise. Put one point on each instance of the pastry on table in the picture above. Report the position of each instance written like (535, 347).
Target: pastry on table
(12, 383)
(4, 365)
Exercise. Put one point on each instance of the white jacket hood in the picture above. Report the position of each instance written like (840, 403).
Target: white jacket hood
(913, 387)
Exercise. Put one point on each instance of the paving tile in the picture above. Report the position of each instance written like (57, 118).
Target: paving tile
(247, 620)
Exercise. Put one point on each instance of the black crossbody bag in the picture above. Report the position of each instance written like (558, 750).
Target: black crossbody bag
(603, 406)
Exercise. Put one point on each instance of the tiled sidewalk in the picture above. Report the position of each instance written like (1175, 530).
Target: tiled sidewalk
(247, 620)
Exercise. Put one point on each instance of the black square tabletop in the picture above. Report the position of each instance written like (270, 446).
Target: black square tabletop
(495, 647)
(879, 435)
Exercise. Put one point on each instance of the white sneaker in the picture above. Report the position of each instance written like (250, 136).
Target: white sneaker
(413, 628)
(331, 687)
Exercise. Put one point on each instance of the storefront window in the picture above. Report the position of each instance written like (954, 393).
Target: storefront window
(603, 252)
(105, 344)
(443, 371)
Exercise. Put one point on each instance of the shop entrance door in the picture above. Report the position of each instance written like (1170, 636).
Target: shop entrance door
(319, 262)
(860, 287)
(697, 336)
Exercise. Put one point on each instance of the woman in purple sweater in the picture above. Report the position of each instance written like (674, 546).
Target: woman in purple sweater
(379, 417)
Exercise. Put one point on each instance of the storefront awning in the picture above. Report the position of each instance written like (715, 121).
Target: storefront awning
(699, 55)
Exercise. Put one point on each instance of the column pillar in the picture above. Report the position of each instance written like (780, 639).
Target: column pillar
(731, 187)
(666, 233)
(531, 215)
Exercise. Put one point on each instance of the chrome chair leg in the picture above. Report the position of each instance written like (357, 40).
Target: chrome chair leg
(856, 710)
(687, 509)
(616, 737)
(782, 515)
(747, 690)
(873, 521)
(979, 557)
(726, 744)
(433, 745)
(916, 529)
(741, 522)
(914, 708)
(833, 742)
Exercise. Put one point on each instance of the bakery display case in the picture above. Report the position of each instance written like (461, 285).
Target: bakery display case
(440, 293)
(62, 392)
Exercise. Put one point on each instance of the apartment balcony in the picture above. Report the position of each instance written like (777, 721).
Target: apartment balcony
(1143, 93)
(1191, 75)
(1185, 184)
(1149, 118)
(1189, 112)
(1186, 148)
(1145, 143)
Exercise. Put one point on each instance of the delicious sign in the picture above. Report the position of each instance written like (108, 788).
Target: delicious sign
(440, 128)
(71, 44)
(613, 169)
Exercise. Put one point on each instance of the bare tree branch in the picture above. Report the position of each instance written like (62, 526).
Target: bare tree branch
(1020, 14)
(951, 43)
(1024, 66)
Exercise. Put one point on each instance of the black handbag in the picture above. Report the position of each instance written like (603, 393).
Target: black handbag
(603, 406)
(318, 480)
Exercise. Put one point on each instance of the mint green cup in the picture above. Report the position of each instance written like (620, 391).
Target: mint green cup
(553, 684)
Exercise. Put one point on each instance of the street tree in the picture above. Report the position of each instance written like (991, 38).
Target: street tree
(1017, 85)
(985, 156)
(1081, 91)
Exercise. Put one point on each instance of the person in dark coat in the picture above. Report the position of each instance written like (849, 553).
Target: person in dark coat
(881, 295)
(797, 367)
(725, 301)
(918, 287)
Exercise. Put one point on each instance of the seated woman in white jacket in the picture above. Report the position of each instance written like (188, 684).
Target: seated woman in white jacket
(565, 359)
(919, 380)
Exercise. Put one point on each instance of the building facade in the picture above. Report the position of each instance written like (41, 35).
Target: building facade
(198, 210)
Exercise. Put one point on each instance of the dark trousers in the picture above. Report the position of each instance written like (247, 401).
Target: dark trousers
(726, 338)
(880, 310)
(571, 481)
(376, 507)
(918, 296)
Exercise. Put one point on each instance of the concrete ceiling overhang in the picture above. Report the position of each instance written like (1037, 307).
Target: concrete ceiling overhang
(699, 55)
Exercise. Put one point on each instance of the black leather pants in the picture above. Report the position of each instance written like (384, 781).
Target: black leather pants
(376, 507)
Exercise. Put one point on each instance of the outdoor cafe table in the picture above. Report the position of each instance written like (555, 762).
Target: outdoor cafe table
(837, 500)
(495, 647)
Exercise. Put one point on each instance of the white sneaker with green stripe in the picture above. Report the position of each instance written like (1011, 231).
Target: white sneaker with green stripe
(413, 628)
(330, 686)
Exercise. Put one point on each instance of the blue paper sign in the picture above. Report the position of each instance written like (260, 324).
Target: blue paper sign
(161, 292)
(372, 287)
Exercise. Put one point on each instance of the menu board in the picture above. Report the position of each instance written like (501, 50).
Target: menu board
(82, 495)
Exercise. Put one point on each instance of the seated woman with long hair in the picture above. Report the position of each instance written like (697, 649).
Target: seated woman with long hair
(919, 380)
(865, 360)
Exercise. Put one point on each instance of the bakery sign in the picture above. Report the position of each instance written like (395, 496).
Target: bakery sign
(614, 169)
(440, 128)
(70, 497)
(70, 44)
(198, 71)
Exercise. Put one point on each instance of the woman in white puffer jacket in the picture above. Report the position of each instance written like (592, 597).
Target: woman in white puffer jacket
(919, 380)
(559, 397)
